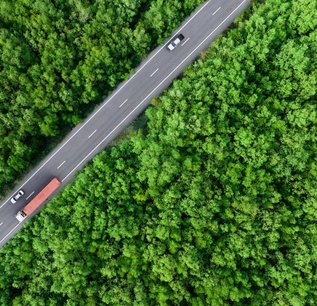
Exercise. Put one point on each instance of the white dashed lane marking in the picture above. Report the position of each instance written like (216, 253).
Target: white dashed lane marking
(166, 78)
(125, 101)
(215, 12)
(185, 41)
(92, 134)
(30, 195)
(154, 72)
(61, 164)
(109, 99)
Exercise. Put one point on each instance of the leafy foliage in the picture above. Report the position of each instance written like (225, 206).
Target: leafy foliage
(215, 205)
(59, 58)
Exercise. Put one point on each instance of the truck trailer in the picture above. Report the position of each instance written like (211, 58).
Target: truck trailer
(40, 198)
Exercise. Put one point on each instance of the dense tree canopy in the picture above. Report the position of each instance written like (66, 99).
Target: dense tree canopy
(215, 204)
(59, 58)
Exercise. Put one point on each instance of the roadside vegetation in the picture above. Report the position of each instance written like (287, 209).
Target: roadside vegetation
(215, 204)
(58, 59)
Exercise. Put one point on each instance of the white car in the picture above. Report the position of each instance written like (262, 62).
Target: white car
(17, 196)
(173, 44)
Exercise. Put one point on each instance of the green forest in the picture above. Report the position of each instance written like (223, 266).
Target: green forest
(213, 203)
(59, 59)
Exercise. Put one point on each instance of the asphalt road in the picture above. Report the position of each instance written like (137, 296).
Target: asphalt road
(123, 106)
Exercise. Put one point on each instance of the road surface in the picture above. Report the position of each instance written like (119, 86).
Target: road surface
(129, 100)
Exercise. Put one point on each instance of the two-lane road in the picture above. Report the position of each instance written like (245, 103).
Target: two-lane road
(123, 106)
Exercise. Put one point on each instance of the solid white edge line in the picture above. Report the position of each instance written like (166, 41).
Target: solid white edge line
(9, 232)
(92, 134)
(61, 164)
(30, 195)
(109, 99)
(215, 12)
(154, 72)
(152, 91)
(185, 42)
(125, 101)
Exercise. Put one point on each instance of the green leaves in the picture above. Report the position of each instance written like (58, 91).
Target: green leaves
(214, 204)
(59, 59)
